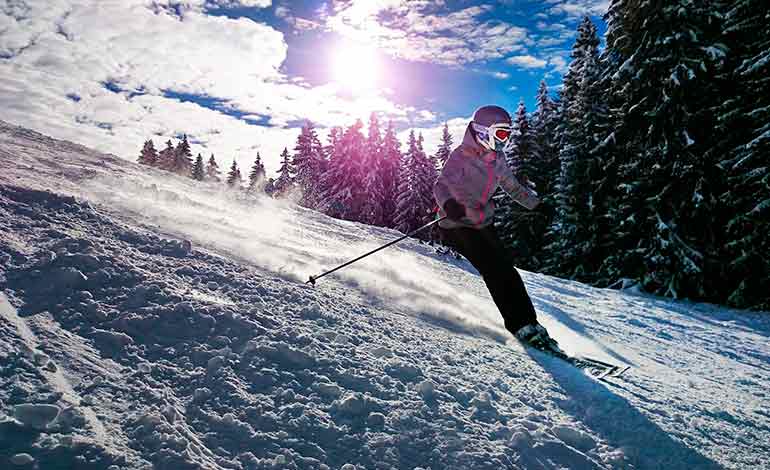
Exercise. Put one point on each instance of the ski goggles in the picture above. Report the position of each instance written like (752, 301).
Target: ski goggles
(495, 137)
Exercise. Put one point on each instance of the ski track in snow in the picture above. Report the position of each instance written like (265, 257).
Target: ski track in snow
(153, 323)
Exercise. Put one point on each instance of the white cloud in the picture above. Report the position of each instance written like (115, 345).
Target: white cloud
(299, 24)
(282, 12)
(577, 8)
(54, 48)
(549, 42)
(526, 61)
(426, 115)
(501, 75)
(426, 31)
(228, 3)
(256, 3)
(559, 64)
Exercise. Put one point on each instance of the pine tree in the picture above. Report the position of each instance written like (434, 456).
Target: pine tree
(234, 176)
(166, 157)
(390, 165)
(212, 170)
(270, 187)
(284, 185)
(149, 155)
(596, 128)
(665, 81)
(445, 148)
(372, 168)
(408, 201)
(542, 169)
(574, 187)
(182, 163)
(344, 193)
(332, 156)
(257, 176)
(742, 149)
(309, 164)
(424, 177)
(198, 172)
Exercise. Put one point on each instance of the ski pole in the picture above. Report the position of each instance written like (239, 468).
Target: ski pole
(413, 232)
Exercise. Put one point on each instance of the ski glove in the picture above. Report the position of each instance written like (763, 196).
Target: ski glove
(454, 210)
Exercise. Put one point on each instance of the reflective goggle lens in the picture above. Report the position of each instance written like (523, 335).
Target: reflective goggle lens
(502, 134)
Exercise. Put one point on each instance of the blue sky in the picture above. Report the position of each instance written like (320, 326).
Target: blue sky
(239, 76)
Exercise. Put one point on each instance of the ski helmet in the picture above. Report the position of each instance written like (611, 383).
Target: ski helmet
(492, 128)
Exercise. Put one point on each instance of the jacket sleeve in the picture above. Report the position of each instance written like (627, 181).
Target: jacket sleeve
(441, 191)
(517, 191)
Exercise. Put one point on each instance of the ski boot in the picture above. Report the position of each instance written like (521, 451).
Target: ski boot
(536, 336)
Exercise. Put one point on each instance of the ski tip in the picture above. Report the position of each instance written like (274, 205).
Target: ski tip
(621, 371)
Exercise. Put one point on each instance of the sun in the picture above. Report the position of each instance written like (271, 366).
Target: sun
(355, 67)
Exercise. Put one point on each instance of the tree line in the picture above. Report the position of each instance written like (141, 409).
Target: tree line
(354, 176)
(178, 159)
(653, 160)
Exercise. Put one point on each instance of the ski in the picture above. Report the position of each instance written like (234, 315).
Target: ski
(598, 369)
(613, 370)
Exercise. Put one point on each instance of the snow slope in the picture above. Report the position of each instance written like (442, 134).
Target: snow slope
(152, 323)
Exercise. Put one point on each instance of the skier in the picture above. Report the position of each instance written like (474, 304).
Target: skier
(464, 191)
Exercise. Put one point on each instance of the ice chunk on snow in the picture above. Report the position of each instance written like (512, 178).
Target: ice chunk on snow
(574, 437)
(22, 460)
(354, 405)
(400, 370)
(214, 364)
(427, 390)
(376, 420)
(381, 351)
(37, 416)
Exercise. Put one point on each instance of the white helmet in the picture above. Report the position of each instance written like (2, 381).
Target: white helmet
(492, 128)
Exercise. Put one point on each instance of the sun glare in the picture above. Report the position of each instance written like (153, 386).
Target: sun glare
(356, 68)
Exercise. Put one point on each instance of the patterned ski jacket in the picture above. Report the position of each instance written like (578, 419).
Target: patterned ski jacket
(471, 175)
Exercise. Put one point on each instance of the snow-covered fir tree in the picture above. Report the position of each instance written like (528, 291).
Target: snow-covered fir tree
(167, 157)
(390, 165)
(372, 168)
(569, 234)
(284, 185)
(742, 150)
(542, 169)
(182, 158)
(212, 170)
(198, 171)
(344, 193)
(425, 175)
(148, 156)
(234, 176)
(270, 186)
(332, 154)
(597, 159)
(309, 164)
(257, 175)
(445, 147)
(409, 201)
(665, 81)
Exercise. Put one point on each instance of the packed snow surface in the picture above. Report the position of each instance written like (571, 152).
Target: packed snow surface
(147, 321)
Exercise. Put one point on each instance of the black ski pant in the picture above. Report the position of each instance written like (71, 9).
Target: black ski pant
(483, 248)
